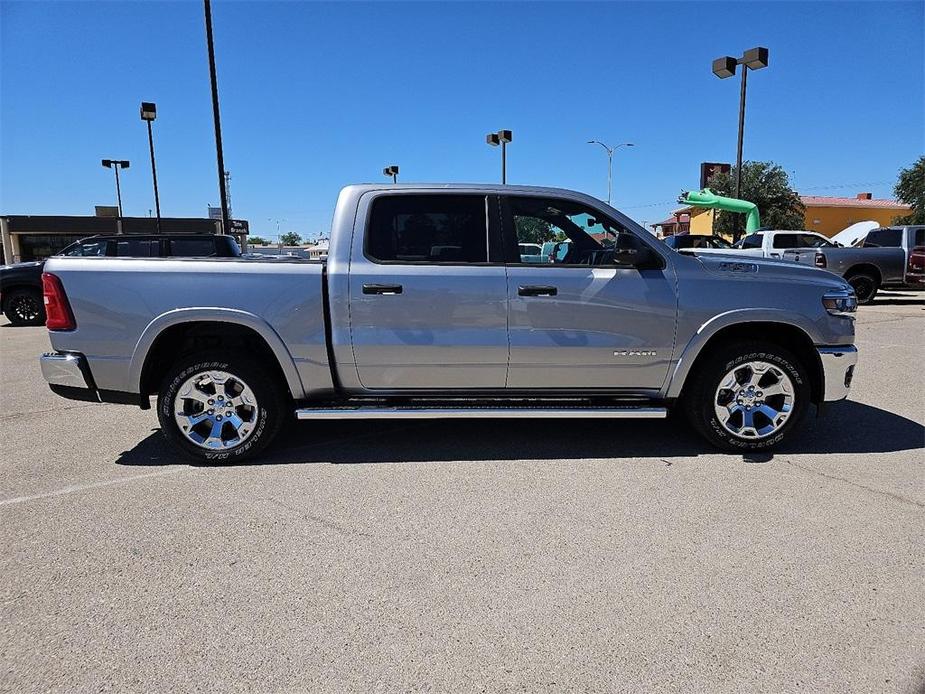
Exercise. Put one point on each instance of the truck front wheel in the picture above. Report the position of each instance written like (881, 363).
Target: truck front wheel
(220, 407)
(747, 396)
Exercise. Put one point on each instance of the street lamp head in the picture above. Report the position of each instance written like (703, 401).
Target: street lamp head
(505, 135)
(107, 163)
(493, 139)
(390, 170)
(724, 67)
(628, 144)
(124, 164)
(755, 58)
(148, 110)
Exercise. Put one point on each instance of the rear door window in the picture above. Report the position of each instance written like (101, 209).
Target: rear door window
(192, 248)
(786, 240)
(137, 248)
(428, 229)
(885, 238)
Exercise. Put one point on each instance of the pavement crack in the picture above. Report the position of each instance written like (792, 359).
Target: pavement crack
(880, 492)
(18, 415)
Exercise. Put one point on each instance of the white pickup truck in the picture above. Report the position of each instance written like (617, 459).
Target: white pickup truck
(773, 243)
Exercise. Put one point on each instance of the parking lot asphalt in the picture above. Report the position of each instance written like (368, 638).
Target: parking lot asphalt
(468, 555)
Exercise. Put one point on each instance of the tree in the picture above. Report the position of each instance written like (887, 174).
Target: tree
(257, 241)
(290, 238)
(767, 185)
(910, 189)
(533, 230)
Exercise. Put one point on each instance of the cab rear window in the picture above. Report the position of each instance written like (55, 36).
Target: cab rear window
(428, 229)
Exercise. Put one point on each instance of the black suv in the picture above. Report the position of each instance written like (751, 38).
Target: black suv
(21, 284)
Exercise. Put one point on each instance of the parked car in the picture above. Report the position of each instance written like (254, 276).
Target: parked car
(885, 260)
(389, 327)
(679, 241)
(772, 243)
(21, 284)
(530, 252)
(915, 274)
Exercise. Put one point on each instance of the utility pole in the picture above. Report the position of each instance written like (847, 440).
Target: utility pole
(220, 158)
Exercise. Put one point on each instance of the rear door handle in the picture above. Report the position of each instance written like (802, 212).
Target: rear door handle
(382, 289)
(537, 290)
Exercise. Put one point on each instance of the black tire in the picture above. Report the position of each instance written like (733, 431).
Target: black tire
(271, 402)
(24, 307)
(865, 286)
(699, 396)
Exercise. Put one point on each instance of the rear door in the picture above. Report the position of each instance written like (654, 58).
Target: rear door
(427, 302)
(578, 321)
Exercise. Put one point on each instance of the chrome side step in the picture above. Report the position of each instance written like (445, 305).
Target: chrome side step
(481, 412)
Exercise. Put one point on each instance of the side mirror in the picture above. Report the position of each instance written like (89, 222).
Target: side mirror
(631, 252)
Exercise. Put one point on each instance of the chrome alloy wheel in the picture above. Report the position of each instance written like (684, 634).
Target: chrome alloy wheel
(754, 400)
(216, 410)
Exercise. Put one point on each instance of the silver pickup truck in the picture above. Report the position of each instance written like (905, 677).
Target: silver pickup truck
(425, 308)
(884, 260)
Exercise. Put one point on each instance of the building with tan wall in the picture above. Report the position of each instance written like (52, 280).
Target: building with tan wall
(830, 215)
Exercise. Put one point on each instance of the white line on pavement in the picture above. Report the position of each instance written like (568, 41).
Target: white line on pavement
(82, 487)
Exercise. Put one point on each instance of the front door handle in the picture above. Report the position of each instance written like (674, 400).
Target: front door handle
(382, 289)
(537, 290)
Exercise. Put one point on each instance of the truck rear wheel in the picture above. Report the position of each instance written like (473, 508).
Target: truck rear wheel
(748, 396)
(865, 286)
(24, 307)
(220, 407)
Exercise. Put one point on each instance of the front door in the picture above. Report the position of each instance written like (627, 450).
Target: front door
(427, 311)
(578, 320)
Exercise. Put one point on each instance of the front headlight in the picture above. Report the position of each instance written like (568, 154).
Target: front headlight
(840, 302)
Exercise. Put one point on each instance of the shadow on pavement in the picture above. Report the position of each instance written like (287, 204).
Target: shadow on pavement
(893, 299)
(847, 427)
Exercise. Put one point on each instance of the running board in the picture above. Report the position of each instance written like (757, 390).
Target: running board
(480, 412)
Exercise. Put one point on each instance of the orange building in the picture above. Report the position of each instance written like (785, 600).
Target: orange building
(826, 215)
(830, 215)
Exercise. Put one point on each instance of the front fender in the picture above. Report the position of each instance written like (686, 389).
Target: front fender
(218, 315)
(689, 353)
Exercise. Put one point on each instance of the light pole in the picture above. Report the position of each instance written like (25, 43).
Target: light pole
(117, 164)
(610, 151)
(502, 137)
(219, 154)
(391, 171)
(752, 59)
(270, 219)
(148, 114)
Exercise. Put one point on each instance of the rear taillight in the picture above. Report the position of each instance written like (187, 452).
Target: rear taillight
(57, 309)
(820, 260)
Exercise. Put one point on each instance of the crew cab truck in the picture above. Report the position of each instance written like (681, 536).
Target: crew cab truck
(425, 308)
(886, 259)
(771, 243)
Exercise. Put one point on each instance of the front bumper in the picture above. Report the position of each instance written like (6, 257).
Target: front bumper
(68, 375)
(838, 370)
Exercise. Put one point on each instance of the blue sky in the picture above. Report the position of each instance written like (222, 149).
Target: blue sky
(316, 95)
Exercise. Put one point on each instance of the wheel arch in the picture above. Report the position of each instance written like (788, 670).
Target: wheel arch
(865, 268)
(777, 331)
(186, 330)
